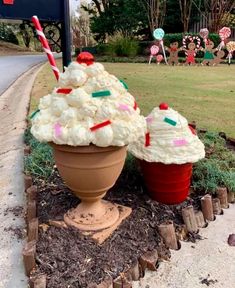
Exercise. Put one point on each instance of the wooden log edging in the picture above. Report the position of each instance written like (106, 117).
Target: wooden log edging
(207, 208)
(149, 260)
(29, 249)
(190, 219)
(222, 194)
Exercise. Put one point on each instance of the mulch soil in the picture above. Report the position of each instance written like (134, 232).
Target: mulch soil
(69, 259)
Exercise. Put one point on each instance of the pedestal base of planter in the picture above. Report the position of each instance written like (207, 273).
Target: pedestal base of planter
(89, 216)
(103, 234)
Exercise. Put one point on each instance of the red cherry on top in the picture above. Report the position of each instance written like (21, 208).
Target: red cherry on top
(86, 58)
(163, 106)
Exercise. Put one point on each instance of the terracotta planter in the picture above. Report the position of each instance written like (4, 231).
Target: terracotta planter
(90, 171)
(168, 184)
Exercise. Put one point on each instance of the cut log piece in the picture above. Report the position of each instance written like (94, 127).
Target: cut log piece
(167, 231)
(149, 260)
(200, 219)
(27, 150)
(31, 193)
(189, 219)
(231, 197)
(121, 282)
(29, 253)
(31, 210)
(133, 273)
(33, 230)
(216, 206)
(27, 181)
(39, 281)
(207, 208)
(222, 195)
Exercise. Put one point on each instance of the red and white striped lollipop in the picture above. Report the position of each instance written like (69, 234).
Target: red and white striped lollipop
(45, 46)
(224, 33)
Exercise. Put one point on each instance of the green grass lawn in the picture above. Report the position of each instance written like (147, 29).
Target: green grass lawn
(203, 94)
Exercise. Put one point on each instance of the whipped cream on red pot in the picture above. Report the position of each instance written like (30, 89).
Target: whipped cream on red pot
(89, 106)
(169, 139)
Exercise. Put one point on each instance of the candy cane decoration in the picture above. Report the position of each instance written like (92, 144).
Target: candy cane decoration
(224, 33)
(45, 46)
(153, 50)
(191, 39)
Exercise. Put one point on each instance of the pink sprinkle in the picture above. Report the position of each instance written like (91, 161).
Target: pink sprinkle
(123, 107)
(149, 119)
(58, 130)
(180, 142)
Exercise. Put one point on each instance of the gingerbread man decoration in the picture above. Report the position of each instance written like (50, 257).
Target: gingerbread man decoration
(173, 50)
(191, 51)
(218, 58)
(209, 53)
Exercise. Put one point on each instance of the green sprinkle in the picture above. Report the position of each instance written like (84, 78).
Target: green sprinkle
(34, 113)
(101, 93)
(170, 121)
(124, 84)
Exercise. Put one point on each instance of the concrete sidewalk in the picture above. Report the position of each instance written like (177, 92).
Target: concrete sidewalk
(13, 107)
(211, 259)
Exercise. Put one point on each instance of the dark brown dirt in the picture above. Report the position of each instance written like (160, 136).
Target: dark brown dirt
(71, 260)
(18, 232)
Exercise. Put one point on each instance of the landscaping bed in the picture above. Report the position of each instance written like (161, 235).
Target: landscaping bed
(70, 259)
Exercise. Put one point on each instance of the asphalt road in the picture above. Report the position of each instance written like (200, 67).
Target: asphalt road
(11, 67)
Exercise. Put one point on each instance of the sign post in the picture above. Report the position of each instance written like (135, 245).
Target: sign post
(48, 11)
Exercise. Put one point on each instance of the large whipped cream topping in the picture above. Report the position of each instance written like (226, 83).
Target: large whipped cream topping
(74, 118)
(169, 140)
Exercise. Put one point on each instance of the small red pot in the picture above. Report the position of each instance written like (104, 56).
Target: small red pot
(167, 183)
(10, 2)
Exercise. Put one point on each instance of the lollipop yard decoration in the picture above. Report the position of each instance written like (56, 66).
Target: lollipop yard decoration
(153, 52)
(158, 34)
(231, 48)
(204, 34)
(224, 33)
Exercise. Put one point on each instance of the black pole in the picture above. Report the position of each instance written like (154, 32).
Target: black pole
(66, 33)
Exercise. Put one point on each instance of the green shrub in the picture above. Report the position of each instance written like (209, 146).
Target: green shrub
(217, 169)
(39, 163)
(120, 45)
(7, 34)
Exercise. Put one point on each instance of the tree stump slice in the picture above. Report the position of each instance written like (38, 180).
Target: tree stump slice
(207, 207)
(27, 181)
(167, 231)
(29, 253)
(216, 206)
(33, 230)
(31, 193)
(190, 219)
(149, 260)
(222, 195)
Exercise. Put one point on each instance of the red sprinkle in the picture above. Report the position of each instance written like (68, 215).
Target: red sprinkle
(147, 139)
(192, 130)
(64, 90)
(100, 125)
(135, 106)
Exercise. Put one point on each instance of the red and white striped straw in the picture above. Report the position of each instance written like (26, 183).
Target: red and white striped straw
(45, 46)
